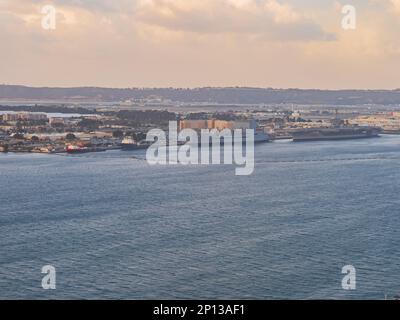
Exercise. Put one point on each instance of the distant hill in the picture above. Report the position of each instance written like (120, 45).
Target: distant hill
(237, 95)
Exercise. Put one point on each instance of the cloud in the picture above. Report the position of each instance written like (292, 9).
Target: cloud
(269, 19)
(396, 6)
(282, 43)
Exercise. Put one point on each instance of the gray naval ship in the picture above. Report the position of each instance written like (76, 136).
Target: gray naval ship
(340, 133)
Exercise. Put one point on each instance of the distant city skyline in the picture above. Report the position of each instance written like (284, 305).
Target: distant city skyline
(193, 43)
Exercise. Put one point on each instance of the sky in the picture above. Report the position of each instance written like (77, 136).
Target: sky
(198, 43)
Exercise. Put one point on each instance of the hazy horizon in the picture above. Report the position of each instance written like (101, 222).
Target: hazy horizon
(194, 88)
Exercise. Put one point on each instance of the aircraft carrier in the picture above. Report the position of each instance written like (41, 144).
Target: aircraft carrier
(343, 133)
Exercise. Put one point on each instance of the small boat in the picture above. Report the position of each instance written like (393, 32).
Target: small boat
(76, 149)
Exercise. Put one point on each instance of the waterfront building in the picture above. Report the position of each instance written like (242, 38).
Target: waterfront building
(386, 121)
(217, 124)
(24, 116)
(56, 121)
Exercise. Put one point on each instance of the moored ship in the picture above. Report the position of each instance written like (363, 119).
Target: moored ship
(342, 133)
(82, 149)
(129, 144)
(260, 136)
(76, 149)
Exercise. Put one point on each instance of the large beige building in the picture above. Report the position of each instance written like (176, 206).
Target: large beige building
(216, 124)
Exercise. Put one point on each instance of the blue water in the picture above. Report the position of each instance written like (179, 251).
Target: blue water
(115, 227)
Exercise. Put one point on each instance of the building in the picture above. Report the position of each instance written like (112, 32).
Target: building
(24, 116)
(193, 124)
(386, 121)
(56, 121)
(217, 124)
(10, 117)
